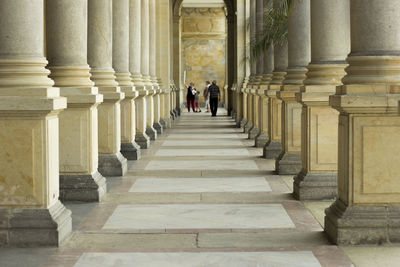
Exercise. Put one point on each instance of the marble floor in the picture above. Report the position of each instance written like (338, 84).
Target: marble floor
(201, 195)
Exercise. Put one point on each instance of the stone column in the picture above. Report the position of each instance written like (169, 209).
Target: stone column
(111, 161)
(145, 67)
(273, 147)
(30, 212)
(67, 54)
(141, 138)
(121, 46)
(289, 162)
(330, 45)
(153, 67)
(367, 209)
(268, 61)
(243, 16)
(253, 70)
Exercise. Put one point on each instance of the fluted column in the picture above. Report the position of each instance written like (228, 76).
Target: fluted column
(67, 54)
(273, 148)
(330, 45)
(121, 46)
(145, 67)
(367, 209)
(30, 212)
(100, 55)
(153, 68)
(135, 59)
(299, 50)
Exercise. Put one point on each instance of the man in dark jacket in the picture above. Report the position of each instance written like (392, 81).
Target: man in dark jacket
(214, 93)
(190, 97)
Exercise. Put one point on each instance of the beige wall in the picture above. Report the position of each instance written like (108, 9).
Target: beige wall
(204, 45)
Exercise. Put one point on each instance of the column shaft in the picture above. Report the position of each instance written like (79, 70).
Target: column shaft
(67, 53)
(299, 54)
(100, 57)
(145, 68)
(330, 44)
(273, 147)
(153, 67)
(135, 58)
(121, 50)
(367, 209)
(30, 212)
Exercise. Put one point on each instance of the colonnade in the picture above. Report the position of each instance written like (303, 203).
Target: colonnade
(327, 111)
(82, 90)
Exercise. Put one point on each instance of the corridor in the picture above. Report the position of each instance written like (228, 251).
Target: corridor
(200, 196)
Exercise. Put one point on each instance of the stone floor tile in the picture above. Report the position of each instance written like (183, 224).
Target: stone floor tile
(194, 185)
(215, 259)
(201, 216)
(202, 165)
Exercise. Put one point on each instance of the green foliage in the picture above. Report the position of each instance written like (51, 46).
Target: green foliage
(275, 28)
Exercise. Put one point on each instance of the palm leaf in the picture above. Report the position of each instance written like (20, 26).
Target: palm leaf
(275, 28)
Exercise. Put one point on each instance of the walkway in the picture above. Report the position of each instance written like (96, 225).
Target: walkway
(201, 196)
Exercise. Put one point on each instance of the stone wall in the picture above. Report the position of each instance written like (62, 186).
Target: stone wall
(204, 46)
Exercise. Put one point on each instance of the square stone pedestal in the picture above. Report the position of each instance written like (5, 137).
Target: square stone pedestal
(111, 165)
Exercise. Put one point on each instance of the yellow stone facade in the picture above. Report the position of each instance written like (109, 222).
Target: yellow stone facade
(204, 47)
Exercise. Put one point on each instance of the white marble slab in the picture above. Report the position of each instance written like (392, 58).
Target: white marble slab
(203, 259)
(204, 136)
(202, 143)
(202, 152)
(209, 130)
(201, 165)
(199, 216)
(200, 185)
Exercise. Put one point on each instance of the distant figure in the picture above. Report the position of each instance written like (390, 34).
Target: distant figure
(191, 91)
(197, 101)
(215, 94)
(205, 95)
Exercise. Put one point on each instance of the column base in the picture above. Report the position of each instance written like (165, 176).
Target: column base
(111, 165)
(142, 140)
(164, 123)
(261, 140)
(358, 225)
(254, 132)
(152, 133)
(272, 150)
(238, 121)
(174, 114)
(84, 187)
(288, 164)
(316, 186)
(158, 127)
(131, 151)
(248, 127)
(242, 123)
(35, 227)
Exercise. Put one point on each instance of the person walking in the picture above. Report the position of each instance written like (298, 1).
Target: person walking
(205, 94)
(191, 91)
(215, 95)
